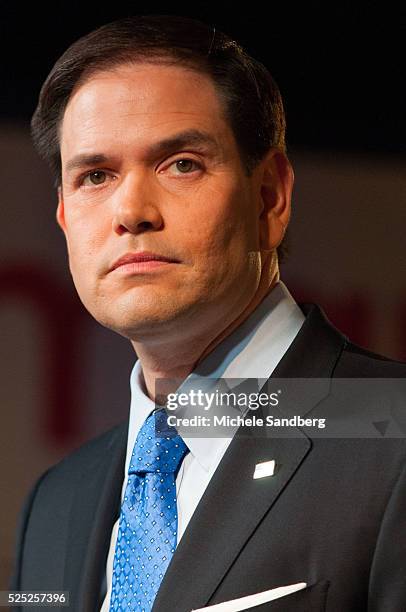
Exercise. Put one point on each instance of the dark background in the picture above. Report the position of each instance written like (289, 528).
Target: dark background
(344, 61)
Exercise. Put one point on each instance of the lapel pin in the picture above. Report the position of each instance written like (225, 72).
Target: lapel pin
(267, 468)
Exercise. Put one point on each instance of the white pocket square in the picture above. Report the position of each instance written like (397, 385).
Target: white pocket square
(244, 603)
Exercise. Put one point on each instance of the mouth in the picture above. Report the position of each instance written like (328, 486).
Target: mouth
(136, 263)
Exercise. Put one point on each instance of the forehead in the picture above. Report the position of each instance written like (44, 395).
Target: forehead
(141, 101)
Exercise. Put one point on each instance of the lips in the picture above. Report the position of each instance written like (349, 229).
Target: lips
(145, 256)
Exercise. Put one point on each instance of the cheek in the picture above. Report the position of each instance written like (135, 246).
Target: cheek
(221, 220)
(223, 248)
(84, 243)
(229, 237)
(86, 234)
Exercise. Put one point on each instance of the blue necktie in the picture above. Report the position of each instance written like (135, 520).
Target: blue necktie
(147, 533)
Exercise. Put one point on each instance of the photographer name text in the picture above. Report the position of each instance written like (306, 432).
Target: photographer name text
(248, 421)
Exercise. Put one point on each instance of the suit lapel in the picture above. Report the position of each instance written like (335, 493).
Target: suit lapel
(95, 508)
(315, 350)
(234, 503)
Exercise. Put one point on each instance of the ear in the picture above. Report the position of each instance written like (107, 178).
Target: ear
(60, 211)
(276, 194)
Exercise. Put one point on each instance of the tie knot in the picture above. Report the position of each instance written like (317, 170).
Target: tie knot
(153, 453)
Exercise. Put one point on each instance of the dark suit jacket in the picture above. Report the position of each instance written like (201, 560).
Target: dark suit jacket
(333, 515)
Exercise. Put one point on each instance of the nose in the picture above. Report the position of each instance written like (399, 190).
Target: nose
(136, 207)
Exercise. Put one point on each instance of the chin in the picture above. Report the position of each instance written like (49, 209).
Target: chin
(142, 322)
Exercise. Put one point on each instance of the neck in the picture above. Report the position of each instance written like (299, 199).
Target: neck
(173, 359)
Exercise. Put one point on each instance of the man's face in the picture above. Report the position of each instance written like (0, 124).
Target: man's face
(166, 179)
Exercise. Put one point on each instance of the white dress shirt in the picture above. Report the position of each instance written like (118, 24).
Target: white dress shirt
(253, 350)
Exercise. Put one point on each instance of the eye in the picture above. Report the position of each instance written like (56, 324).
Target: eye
(96, 177)
(185, 165)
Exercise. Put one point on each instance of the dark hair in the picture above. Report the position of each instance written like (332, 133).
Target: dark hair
(251, 98)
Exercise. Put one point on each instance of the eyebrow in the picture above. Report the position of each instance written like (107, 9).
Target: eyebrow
(195, 138)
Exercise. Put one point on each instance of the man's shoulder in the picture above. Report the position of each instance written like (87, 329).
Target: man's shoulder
(356, 361)
(90, 453)
(321, 350)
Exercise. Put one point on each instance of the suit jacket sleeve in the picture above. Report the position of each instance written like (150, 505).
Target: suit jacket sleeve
(387, 589)
(22, 525)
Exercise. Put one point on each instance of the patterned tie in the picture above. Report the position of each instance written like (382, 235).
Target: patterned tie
(148, 526)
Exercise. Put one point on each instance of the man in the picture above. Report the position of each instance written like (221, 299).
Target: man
(174, 189)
